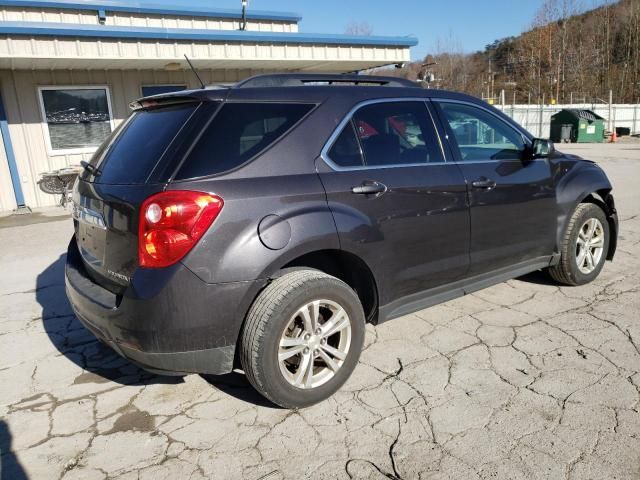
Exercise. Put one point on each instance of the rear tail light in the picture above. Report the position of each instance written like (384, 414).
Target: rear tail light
(171, 223)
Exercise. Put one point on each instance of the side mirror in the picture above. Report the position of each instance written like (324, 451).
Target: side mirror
(541, 148)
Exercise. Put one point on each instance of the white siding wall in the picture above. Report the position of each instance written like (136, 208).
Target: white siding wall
(90, 17)
(69, 52)
(20, 93)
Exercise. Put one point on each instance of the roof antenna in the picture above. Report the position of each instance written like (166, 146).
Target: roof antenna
(195, 72)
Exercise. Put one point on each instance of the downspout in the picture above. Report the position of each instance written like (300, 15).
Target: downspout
(11, 161)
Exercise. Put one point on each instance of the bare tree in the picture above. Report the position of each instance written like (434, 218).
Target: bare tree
(568, 52)
(359, 28)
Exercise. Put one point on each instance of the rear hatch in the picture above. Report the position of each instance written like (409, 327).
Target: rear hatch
(182, 141)
(134, 163)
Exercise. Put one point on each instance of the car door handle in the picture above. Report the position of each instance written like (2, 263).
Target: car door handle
(484, 183)
(370, 188)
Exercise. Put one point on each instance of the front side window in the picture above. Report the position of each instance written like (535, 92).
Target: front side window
(239, 132)
(397, 133)
(76, 119)
(481, 135)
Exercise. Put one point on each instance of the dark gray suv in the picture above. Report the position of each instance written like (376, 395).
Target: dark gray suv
(261, 226)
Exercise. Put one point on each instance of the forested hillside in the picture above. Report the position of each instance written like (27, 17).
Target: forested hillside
(568, 54)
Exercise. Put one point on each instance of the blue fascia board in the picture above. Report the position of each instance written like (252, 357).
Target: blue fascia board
(154, 9)
(11, 157)
(37, 29)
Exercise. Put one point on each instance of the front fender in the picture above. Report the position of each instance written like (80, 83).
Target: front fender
(579, 180)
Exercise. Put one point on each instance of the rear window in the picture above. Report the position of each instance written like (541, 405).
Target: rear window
(238, 133)
(131, 154)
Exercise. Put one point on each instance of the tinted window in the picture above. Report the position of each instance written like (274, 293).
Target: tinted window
(237, 133)
(481, 135)
(132, 153)
(346, 150)
(397, 133)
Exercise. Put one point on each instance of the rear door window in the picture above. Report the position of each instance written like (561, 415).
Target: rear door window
(397, 133)
(239, 132)
(346, 152)
(133, 151)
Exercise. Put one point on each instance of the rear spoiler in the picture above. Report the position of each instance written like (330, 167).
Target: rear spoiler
(162, 101)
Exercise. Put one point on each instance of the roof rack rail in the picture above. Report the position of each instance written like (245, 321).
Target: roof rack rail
(303, 79)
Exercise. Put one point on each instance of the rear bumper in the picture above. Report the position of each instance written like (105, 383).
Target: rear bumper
(167, 321)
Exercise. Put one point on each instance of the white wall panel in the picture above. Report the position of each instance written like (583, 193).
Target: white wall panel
(20, 93)
(126, 19)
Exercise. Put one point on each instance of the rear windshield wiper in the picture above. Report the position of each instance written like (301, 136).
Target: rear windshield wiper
(90, 168)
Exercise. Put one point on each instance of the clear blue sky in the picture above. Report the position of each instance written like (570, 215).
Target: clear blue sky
(473, 23)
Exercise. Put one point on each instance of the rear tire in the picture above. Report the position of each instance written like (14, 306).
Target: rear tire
(302, 338)
(584, 246)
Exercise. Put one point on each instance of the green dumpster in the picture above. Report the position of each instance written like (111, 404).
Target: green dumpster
(577, 126)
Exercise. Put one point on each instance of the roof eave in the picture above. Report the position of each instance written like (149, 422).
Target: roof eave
(36, 29)
(135, 7)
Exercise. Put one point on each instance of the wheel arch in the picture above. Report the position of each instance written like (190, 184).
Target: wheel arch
(586, 183)
(604, 200)
(345, 266)
(341, 264)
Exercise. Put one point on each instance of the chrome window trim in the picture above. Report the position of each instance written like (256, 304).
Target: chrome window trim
(527, 138)
(324, 154)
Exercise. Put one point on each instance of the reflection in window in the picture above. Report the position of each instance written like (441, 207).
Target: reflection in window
(397, 133)
(480, 135)
(238, 132)
(76, 118)
(345, 152)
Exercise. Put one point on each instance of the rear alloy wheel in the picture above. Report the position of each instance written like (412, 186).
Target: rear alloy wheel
(584, 246)
(302, 338)
(314, 344)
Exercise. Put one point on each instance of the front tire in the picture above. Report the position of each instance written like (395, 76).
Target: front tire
(584, 246)
(302, 338)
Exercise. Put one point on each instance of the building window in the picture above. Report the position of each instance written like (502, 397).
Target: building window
(76, 119)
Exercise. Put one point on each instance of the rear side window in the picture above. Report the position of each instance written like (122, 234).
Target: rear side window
(237, 133)
(131, 154)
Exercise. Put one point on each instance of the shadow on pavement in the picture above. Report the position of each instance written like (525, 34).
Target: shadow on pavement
(539, 278)
(236, 385)
(79, 345)
(10, 468)
(99, 361)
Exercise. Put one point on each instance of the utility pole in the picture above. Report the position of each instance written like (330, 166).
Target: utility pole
(243, 22)
(610, 110)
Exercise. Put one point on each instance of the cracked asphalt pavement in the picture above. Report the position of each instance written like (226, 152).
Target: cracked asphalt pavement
(522, 380)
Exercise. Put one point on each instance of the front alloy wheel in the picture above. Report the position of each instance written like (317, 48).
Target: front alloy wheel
(589, 245)
(584, 246)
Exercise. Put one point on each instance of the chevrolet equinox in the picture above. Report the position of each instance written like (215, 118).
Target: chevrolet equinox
(260, 226)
